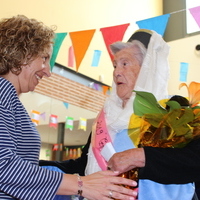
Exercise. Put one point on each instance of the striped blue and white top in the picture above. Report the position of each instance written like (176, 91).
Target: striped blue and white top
(20, 175)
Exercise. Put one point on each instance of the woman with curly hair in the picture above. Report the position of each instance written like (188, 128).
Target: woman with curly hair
(25, 52)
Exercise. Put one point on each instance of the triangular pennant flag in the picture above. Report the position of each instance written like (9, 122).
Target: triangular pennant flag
(59, 37)
(55, 147)
(195, 12)
(53, 121)
(69, 123)
(43, 116)
(71, 57)
(66, 104)
(81, 41)
(35, 118)
(82, 124)
(96, 86)
(91, 84)
(157, 24)
(47, 153)
(105, 89)
(113, 34)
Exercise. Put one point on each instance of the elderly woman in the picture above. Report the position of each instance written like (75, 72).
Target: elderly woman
(25, 52)
(140, 64)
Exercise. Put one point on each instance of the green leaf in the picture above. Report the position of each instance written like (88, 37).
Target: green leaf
(154, 119)
(178, 120)
(173, 105)
(179, 117)
(146, 103)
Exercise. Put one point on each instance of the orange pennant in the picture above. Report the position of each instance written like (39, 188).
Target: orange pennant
(105, 89)
(80, 42)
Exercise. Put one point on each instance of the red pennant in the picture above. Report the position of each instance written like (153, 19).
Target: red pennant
(113, 34)
(55, 147)
(53, 121)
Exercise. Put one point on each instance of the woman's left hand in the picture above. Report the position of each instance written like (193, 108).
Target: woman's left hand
(105, 185)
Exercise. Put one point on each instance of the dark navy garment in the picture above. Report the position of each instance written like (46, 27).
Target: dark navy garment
(20, 175)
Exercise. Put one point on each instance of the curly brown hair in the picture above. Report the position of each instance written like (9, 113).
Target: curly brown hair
(22, 40)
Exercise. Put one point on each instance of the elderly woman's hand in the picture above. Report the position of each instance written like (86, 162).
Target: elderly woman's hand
(127, 160)
(105, 185)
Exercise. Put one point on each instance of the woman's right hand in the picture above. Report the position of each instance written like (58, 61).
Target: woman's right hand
(105, 185)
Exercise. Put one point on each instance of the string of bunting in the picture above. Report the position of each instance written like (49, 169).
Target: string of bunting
(53, 120)
(81, 39)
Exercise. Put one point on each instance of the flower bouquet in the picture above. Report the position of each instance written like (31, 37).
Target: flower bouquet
(154, 125)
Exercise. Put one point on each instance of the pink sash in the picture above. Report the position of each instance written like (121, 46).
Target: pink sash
(100, 137)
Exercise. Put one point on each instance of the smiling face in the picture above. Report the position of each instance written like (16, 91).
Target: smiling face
(33, 72)
(126, 71)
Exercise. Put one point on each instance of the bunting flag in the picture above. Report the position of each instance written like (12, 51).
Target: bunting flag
(113, 34)
(59, 37)
(79, 152)
(70, 153)
(91, 84)
(195, 12)
(67, 151)
(35, 118)
(43, 116)
(183, 71)
(157, 24)
(60, 146)
(55, 147)
(69, 123)
(74, 153)
(81, 41)
(53, 121)
(82, 124)
(96, 86)
(47, 153)
(105, 89)
(96, 58)
(66, 104)
(71, 57)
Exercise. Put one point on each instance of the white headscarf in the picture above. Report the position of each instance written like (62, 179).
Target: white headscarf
(153, 77)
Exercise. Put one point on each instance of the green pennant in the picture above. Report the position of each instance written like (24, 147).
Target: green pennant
(59, 37)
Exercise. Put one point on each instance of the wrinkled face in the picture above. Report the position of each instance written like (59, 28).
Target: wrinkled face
(126, 70)
(33, 72)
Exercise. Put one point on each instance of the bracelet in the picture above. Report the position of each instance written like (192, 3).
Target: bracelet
(80, 184)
